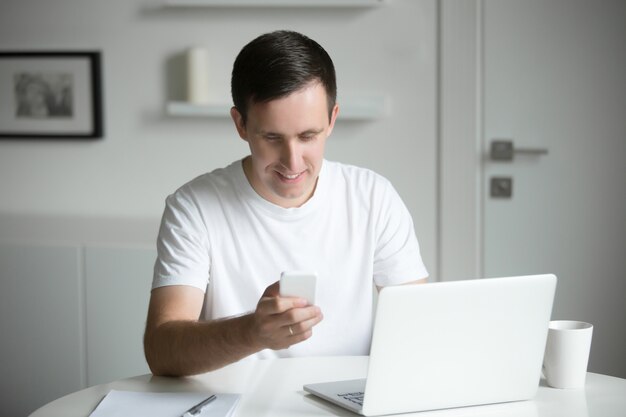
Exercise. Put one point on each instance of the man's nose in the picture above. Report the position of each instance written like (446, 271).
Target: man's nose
(291, 155)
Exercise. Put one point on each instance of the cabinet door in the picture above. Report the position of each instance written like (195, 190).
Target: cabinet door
(40, 326)
(118, 281)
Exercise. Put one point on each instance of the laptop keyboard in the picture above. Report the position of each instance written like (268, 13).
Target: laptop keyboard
(355, 397)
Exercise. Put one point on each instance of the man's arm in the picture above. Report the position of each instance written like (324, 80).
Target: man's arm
(419, 281)
(176, 343)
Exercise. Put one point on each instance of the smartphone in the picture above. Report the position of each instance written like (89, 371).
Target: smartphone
(298, 284)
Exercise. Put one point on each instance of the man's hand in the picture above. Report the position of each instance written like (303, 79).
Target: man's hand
(279, 322)
(177, 343)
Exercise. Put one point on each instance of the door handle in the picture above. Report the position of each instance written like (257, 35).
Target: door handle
(503, 150)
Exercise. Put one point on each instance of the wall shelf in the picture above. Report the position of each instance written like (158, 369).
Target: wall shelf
(368, 108)
(273, 3)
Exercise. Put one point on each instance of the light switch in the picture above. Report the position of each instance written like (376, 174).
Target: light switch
(501, 187)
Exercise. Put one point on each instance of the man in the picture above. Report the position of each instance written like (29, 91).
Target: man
(226, 236)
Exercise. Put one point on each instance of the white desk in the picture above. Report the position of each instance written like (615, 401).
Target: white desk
(274, 388)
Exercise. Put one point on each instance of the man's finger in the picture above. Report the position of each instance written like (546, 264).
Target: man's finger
(278, 305)
(305, 325)
(272, 290)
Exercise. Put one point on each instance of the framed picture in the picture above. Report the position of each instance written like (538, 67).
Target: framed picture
(50, 95)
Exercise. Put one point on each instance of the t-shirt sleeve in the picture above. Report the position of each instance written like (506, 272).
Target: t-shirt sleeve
(182, 245)
(397, 257)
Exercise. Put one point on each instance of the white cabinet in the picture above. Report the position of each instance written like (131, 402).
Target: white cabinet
(117, 291)
(41, 325)
(71, 316)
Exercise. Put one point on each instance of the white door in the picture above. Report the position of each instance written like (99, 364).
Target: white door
(545, 74)
(554, 78)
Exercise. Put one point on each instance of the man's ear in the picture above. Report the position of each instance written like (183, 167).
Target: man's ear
(333, 118)
(240, 125)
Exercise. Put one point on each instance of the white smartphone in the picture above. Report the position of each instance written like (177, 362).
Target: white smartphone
(298, 284)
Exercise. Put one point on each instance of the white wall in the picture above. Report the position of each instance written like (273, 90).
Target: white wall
(146, 155)
(100, 201)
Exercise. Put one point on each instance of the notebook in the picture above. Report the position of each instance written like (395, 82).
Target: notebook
(451, 344)
(167, 404)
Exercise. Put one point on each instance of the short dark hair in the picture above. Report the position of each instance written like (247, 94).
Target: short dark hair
(277, 64)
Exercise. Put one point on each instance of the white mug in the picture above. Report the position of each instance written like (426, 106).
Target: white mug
(567, 353)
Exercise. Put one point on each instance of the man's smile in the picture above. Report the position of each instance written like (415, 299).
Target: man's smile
(290, 177)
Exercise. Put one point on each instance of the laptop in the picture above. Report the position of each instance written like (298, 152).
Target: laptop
(451, 344)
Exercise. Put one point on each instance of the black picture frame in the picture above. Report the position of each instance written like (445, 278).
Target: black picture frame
(51, 95)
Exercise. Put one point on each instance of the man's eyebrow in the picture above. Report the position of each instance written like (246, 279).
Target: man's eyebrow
(313, 130)
(268, 133)
(306, 132)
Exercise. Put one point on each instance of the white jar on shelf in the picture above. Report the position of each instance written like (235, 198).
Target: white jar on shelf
(197, 75)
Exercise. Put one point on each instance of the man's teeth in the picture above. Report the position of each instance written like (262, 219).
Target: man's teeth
(291, 177)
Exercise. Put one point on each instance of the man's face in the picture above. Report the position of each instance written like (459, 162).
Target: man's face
(286, 138)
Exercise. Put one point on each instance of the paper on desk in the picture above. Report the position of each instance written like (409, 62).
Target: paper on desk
(162, 404)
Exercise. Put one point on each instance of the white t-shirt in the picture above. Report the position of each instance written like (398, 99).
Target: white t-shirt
(219, 235)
